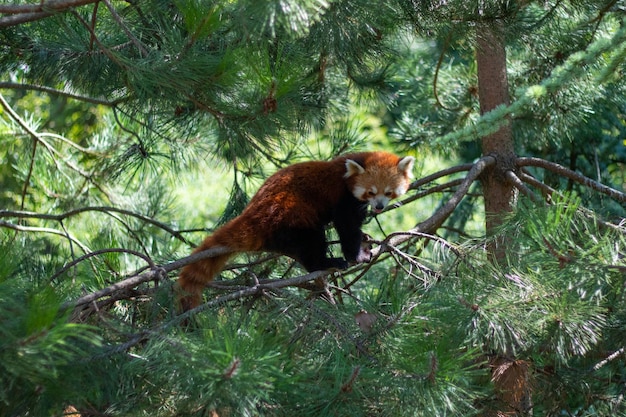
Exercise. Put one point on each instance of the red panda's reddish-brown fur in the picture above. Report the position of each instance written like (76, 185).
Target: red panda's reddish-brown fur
(288, 214)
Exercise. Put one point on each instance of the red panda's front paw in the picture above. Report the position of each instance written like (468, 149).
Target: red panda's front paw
(365, 252)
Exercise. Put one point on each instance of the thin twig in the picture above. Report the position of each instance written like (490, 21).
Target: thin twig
(101, 252)
(21, 228)
(53, 91)
(125, 28)
(103, 209)
(609, 358)
(33, 136)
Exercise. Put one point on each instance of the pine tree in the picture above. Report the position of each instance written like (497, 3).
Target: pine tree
(104, 103)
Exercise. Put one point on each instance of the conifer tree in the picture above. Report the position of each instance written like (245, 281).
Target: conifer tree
(105, 102)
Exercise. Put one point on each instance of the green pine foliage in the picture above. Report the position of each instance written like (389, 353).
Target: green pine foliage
(107, 107)
(556, 303)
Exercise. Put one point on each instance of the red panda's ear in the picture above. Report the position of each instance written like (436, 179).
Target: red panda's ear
(353, 168)
(406, 166)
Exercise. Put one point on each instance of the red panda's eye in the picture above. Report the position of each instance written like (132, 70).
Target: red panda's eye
(388, 194)
(371, 193)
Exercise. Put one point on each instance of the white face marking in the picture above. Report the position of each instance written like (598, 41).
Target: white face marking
(401, 188)
(358, 192)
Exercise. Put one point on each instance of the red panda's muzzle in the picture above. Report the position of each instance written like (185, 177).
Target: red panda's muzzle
(378, 204)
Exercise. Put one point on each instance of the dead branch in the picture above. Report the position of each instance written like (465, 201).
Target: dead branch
(21, 228)
(432, 190)
(546, 190)
(443, 173)
(75, 262)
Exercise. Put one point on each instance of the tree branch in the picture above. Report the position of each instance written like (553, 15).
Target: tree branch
(517, 182)
(21, 228)
(568, 173)
(432, 223)
(155, 273)
(23, 13)
(103, 209)
(444, 172)
(53, 91)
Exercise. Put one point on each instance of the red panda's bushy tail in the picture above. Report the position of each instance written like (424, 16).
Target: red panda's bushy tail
(194, 277)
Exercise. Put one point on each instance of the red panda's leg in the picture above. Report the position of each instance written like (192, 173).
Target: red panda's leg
(347, 220)
(307, 246)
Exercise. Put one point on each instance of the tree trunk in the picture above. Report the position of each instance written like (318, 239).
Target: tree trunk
(509, 376)
(493, 90)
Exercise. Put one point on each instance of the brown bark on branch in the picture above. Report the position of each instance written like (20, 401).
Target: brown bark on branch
(568, 173)
(443, 173)
(519, 184)
(55, 92)
(431, 224)
(102, 209)
(150, 275)
(23, 13)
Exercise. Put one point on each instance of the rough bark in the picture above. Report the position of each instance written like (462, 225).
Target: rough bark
(493, 90)
(510, 377)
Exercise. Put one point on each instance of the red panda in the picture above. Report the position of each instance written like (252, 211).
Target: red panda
(288, 213)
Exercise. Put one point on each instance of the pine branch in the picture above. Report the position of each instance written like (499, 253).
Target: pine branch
(21, 228)
(102, 209)
(568, 173)
(24, 13)
(519, 184)
(436, 220)
(60, 93)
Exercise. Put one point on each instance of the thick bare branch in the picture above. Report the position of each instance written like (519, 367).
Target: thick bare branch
(432, 223)
(568, 173)
(519, 184)
(23, 13)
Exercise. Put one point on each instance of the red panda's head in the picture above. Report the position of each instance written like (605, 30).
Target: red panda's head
(379, 177)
